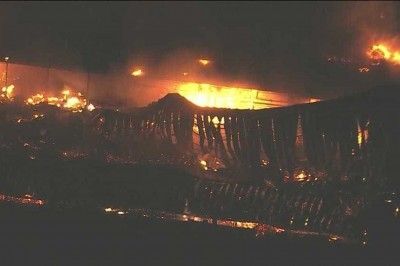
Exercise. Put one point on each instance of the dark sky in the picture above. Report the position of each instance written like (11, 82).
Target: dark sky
(269, 42)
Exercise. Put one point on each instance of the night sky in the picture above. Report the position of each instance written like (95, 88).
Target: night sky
(270, 43)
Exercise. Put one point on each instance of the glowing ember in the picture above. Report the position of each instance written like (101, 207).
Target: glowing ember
(363, 69)
(204, 62)
(137, 72)
(204, 164)
(91, 107)
(301, 176)
(35, 99)
(247, 225)
(7, 93)
(69, 100)
(314, 100)
(37, 116)
(65, 93)
(27, 199)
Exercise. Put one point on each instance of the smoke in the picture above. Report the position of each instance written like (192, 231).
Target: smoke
(162, 74)
(354, 25)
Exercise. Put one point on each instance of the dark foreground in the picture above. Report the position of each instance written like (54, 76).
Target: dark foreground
(39, 236)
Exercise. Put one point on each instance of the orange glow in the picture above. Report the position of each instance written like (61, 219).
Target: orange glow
(35, 99)
(137, 72)
(384, 52)
(72, 102)
(69, 100)
(91, 107)
(237, 224)
(301, 176)
(363, 69)
(204, 164)
(216, 96)
(65, 92)
(379, 51)
(204, 62)
(207, 95)
(7, 93)
(27, 199)
(314, 100)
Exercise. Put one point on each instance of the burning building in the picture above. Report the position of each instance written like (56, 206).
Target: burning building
(243, 156)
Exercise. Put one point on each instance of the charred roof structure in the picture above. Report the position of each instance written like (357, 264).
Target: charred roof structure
(304, 169)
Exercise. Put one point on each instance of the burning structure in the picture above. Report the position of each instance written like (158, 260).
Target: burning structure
(209, 153)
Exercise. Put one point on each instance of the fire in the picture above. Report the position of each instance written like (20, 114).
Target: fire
(204, 62)
(35, 99)
(204, 164)
(27, 199)
(207, 95)
(384, 52)
(301, 176)
(72, 102)
(314, 100)
(69, 100)
(91, 107)
(379, 51)
(137, 72)
(7, 93)
(363, 69)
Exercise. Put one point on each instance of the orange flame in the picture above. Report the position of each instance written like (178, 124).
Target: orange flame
(91, 107)
(7, 93)
(204, 62)
(137, 72)
(314, 100)
(208, 95)
(384, 52)
(69, 100)
(27, 199)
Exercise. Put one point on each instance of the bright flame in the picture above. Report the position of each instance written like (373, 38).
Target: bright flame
(7, 92)
(69, 100)
(137, 72)
(91, 107)
(72, 102)
(204, 164)
(384, 52)
(204, 62)
(35, 99)
(379, 51)
(207, 95)
(301, 176)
